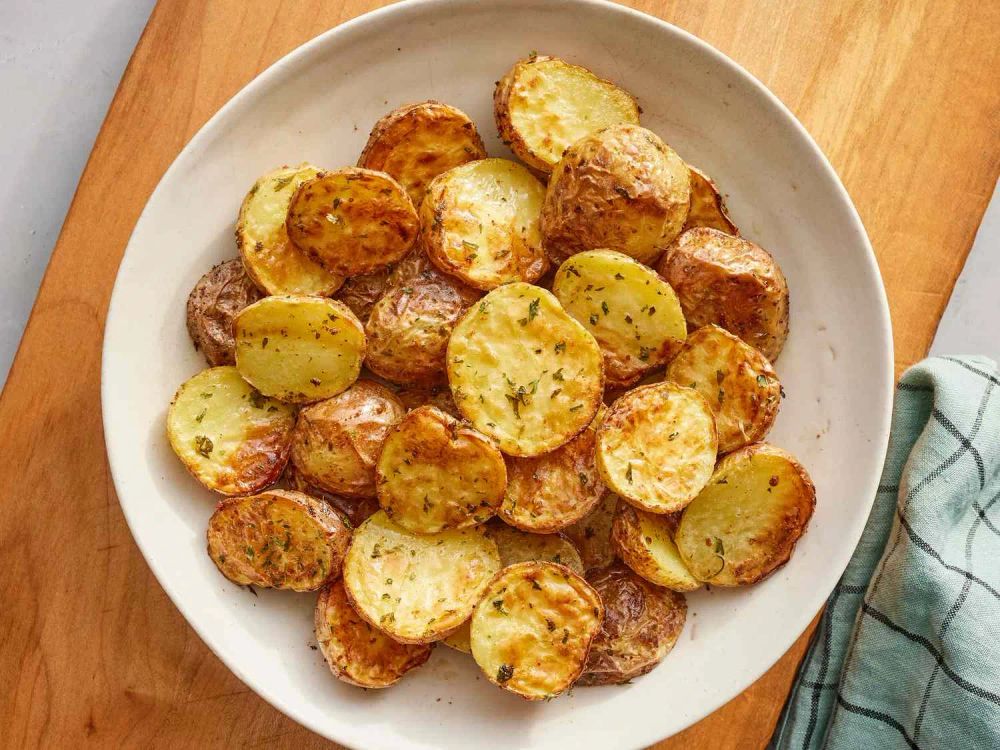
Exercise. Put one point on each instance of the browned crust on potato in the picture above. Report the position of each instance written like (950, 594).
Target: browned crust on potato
(354, 509)
(360, 293)
(708, 208)
(637, 536)
(592, 534)
(213, 303)
(413, 397)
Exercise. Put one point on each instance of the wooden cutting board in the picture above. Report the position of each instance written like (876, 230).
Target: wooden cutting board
(903, 97)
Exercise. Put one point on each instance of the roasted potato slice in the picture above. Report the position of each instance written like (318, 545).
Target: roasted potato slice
(645, 542)
(211, 307)
(337, 441)
(532, 629)
(417, 588)
(523, 371)
(621, 188)
(352, 221)
(549, 492)
(415, 396)
(642, 623)
(707, 209)
(417, 142)
(480, 223)
(630, 310)
(744, 525)
(737, 381)
(517, 546)
(231, 438)
(731, 282)
(543, 105)
(354, 509)
(408, 328)
(592, 534)
(270, 258)
(356, 652)
(299, 349)
(435, 474)
(460, 640)
(656, 446)
(279, 539)
(360, 293)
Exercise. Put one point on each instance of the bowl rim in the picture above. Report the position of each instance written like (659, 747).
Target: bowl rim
(300, 55)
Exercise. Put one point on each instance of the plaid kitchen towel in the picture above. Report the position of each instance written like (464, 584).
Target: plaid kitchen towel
(907, 653)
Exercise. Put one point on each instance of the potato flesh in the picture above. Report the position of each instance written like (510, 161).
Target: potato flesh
(480, 223)
(632, 312)
(271, 260)
(523, 371)
(518, 546)
(230, 437)
(532, 631)
(433, 474)
(746, 521)
(592, 534)
(645, 542)
(417, 587)
(299, 349)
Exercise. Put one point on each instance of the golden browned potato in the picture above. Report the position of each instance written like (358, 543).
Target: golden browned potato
(630, 310)
(360, 293)
(656, 447)
(642, 622)
(621, 188)
(408, 328)
(551, 491)
(532, 629)
(523, 371)
(435, 474)
(270, 258)
(354, 509)
(737, 381)
(645, 542)
(439, 396)
(357, 653)
(417, 588)
(337, 441)
(279, 539)
(708, 209)
(744, 525)
(731, 282)
(230, 437)
(299, 349)
(417, 142)
(352, 221)
(592, 534)
(519, 546)
(543, 105)
(211, 307)
(480, 223)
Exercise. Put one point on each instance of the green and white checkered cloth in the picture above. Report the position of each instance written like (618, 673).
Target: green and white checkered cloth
(907, 653)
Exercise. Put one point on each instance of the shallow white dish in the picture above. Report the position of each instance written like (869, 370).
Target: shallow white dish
(318, 104)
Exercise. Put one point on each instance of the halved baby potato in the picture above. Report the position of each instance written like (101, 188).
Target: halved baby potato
(621, 188)
(632, 312)
(354, 509)
(230, 437)
(356, 652)
(337, 441)
(737, 381)
(417, 588)
(417, 142)
(543, 105)
(708, 209)
(656, 446)
(479, 222)
(523, 371)
(532, 629)
(279, 539)
(435, 474)
(360, 293)
(731, 282)
(592, 534)
(551, 491)
(352, 221)
(213, 303)
(645, 542)
(642, 622)
(409, 326)
(270, 258)
(299, 349)
(440, 397)
(745, 523)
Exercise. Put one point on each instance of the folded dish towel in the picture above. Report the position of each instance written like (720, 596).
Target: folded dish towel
(907, 653)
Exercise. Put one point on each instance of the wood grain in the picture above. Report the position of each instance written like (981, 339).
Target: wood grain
(902, 96)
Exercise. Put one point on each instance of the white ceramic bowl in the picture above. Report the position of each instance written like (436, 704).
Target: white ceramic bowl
(318, 104)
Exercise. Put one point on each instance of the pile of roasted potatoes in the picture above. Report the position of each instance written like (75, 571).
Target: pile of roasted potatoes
(516, 408)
